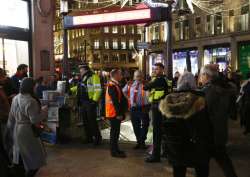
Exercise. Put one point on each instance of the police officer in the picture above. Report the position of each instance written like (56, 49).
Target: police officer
(88, 93)
(139, 108)
(158, 90)
(115, 106)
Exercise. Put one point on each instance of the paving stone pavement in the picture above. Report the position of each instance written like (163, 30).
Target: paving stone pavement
(76, 160)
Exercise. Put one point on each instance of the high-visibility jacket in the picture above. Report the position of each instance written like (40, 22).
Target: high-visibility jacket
(158, 92)
(109, 105)
(89, 88)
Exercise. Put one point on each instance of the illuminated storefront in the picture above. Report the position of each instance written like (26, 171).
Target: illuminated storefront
(15, 34)
(180, 61)
(219, 55)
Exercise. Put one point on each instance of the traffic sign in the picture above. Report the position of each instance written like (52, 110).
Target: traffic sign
(142, 45)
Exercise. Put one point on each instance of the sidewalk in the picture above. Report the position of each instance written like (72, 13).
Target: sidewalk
(77, 160)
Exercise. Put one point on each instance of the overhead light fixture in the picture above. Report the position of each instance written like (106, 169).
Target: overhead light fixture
(64, 7)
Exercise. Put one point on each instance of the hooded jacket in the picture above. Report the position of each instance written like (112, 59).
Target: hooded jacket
(187, 130)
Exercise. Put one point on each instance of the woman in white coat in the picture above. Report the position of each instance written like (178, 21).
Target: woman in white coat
(26, 111)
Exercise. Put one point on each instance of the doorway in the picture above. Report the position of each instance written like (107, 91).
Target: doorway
(12, 54)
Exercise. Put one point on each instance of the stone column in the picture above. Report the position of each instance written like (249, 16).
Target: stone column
(43, 15)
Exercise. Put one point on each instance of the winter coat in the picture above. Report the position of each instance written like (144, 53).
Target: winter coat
(186, 129)
(218, 95)
(25, 111)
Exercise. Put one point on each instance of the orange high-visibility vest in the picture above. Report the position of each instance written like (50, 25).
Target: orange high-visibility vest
(109, 105)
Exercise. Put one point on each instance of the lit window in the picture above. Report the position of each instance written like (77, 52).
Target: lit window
(123, 29)
(115, 43)
(96, 44)
(131, 44)
(244, 19)
(106, 29)
(115, 29)
(132, 29)
(198, 27)
(115, 57)
(106, 44)
(123, 44)
(139, 30)
(231, 21)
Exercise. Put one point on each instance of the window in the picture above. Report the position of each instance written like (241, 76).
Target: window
(210, 25)
(218, 23)
(132, 30)
(14, 13)
(96, 58)
(177, 31)
(186, 30)
(115, 30)
(106, 44)
(96, 44)
(106, 29)
(115, 43)
(244, 19)
(123, 58)
(105, 58)
(156, 32)
(115, 57)
(123, 29)
(139, 30)
(131, 44)
(123, 44)
(198, 29)
(231, 21)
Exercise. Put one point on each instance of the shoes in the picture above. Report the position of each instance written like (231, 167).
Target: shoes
(152, 159)
(119, 154)
(97, 141)
(140, 146)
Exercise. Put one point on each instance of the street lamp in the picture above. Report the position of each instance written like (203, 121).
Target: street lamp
(64, 10)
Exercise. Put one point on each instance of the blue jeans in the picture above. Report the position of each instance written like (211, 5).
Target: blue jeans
(140, 122)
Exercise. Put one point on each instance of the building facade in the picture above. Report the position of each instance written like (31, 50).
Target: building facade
(216, 33)
(103, 48)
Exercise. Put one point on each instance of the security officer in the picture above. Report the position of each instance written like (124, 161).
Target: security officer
(158, 90)
(88, 93)
(139, 108)
(115, 106)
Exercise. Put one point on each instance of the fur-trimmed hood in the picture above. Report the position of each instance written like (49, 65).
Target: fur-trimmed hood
(181, 105)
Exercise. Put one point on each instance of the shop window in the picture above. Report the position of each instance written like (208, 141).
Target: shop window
(114, 29)
(198, 28)
(115, 57)
(123, 44)
(106, 29)
(106, 44)
(96, 44)
(115, 43)
(123, 29)
(131, 44)
(123, 58)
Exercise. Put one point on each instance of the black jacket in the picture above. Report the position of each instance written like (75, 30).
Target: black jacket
(218, 95)
(121, 106)
(186, 129)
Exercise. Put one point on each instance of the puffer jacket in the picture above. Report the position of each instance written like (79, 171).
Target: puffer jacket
(186, 130)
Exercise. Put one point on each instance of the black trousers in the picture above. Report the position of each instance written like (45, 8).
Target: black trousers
(157, 131)
(222, 158)
(89, 116)
(140, 122)
(201, 171)
(114, 135)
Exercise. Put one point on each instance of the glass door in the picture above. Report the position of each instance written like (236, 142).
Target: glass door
(12, 54)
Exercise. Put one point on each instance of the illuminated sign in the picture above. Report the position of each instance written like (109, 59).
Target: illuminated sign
(121, 17)
(112, 17)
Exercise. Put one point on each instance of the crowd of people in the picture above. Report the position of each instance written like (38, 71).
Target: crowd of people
(189, 115)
